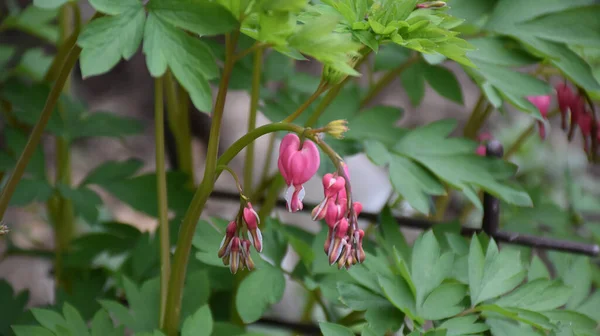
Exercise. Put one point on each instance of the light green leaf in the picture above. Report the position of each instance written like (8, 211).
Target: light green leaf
(502, 271)
(511, 81)
(119, 311)
(376, 123)
(48, 318)
(578, 26)
(414, 183)
(499, 51)
(394, 239)
(464, 325)
(75, 322)
(413, 82)
(102, 325)
(114, 7)
(34, 64)
(384, 318)
(331, 329)
(199, 324)
(359, 298)
(49, 4)
(579, 278)
(399, 294)
(591, 306)
(500, 327)
(444, 82)
(108, 39)
(200, 17)
(257, 292)
(443, 302)
(377, 152)
(537, 270)
(537, 295)
(190, 59)
(34, 21)
(428, 266)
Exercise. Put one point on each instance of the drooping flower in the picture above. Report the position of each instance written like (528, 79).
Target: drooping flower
(483, 139)
(230, 232)
(246, 258)
(338, 240)
(252, 221)
(332, 184)
(234, 254)
(298, 162)
(542, 103)
(566, 99)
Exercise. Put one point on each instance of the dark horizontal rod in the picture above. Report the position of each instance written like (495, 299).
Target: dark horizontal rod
(500, 236)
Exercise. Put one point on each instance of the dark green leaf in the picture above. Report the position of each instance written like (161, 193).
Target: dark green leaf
(202, 18)
(500, 327)
(104, 124)
(85, 201)
(112, 171)
(413, 81)
(75, 322)
(331, 329)
(257, 292)
(196, 292)
(113, 7)
(276, 249)
(31, 190)
(102, 325)
(428, 266)
(107, 39)
(399, 294)
(49, 319)
(444, 82)
(191, 60)
(49, 4)
(537, 270)
(199, 324)
(511, 81)
(34, 21)
(390, 57)
(392, 234)
(144, 302)
(120, 312)
(15, 142)
(31, 331)
(579, 278)
(414, 183)
(34, 64)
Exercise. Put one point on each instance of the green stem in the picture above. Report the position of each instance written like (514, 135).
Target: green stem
(255, 95)
(234, 175)
(521, 139)
(386, 80)
(329, 97)
(320, 89)
(185, 133)
(188, 227)
(161, 187)
(468, 131)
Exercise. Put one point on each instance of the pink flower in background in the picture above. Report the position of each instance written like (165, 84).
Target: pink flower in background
(542, 103)
(566, 98)
(298, 163)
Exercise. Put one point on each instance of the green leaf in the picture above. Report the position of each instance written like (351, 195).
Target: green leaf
(106, 40)
(75, 322)
(31, 331)
(384, 318)
(565, 59)
(104, 124)
(376, 124)
(444, 82)
(102, 325)
(257, 292)
(359, 298)
(34, 64)
(591, 307)
(85, 201)
(190, 59)
(579, 278)
(511, 81)
(499, 273)
(499, 327)
(413, 81)
(499, 51)
(399, 294)
(49, 4)
(49, 319)
(394, 239)
(464, 325)
(276, 250)
(119, 311)
(31, 190)
(443, 302)
(34, 21)
(15, 141)
(114, 7)
(199, 324)
(390, 57)
(200, 17)
(112, 171)
(428, 266)
(537, 270)
(331, 329)
(578, 26)
(537, 295)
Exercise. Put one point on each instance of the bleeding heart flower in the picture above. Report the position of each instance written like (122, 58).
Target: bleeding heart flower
(542, 103)
(252, 222)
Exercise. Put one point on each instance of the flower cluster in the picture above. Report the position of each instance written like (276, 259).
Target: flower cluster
(235, 249)
(574, 114)
(483, 139)
(298, 162)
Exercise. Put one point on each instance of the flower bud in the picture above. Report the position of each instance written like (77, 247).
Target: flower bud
(337, 128)
(234, 261)
(226, 242)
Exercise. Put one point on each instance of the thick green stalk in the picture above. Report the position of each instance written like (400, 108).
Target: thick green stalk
(176, 116)
(185, 132)
(188, 227)
(254, 97)
(320, 89)
(469, 130)
(161, 187)
(329, 97)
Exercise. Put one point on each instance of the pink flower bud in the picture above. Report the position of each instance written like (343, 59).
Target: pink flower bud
(246, 258)
(251, 217)
(542, 103)
(226, 242)
(360, 253)
(332, 184)
(481, 150)
(340, 232)
(357, 208)
(234, 261)
(334, 212)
